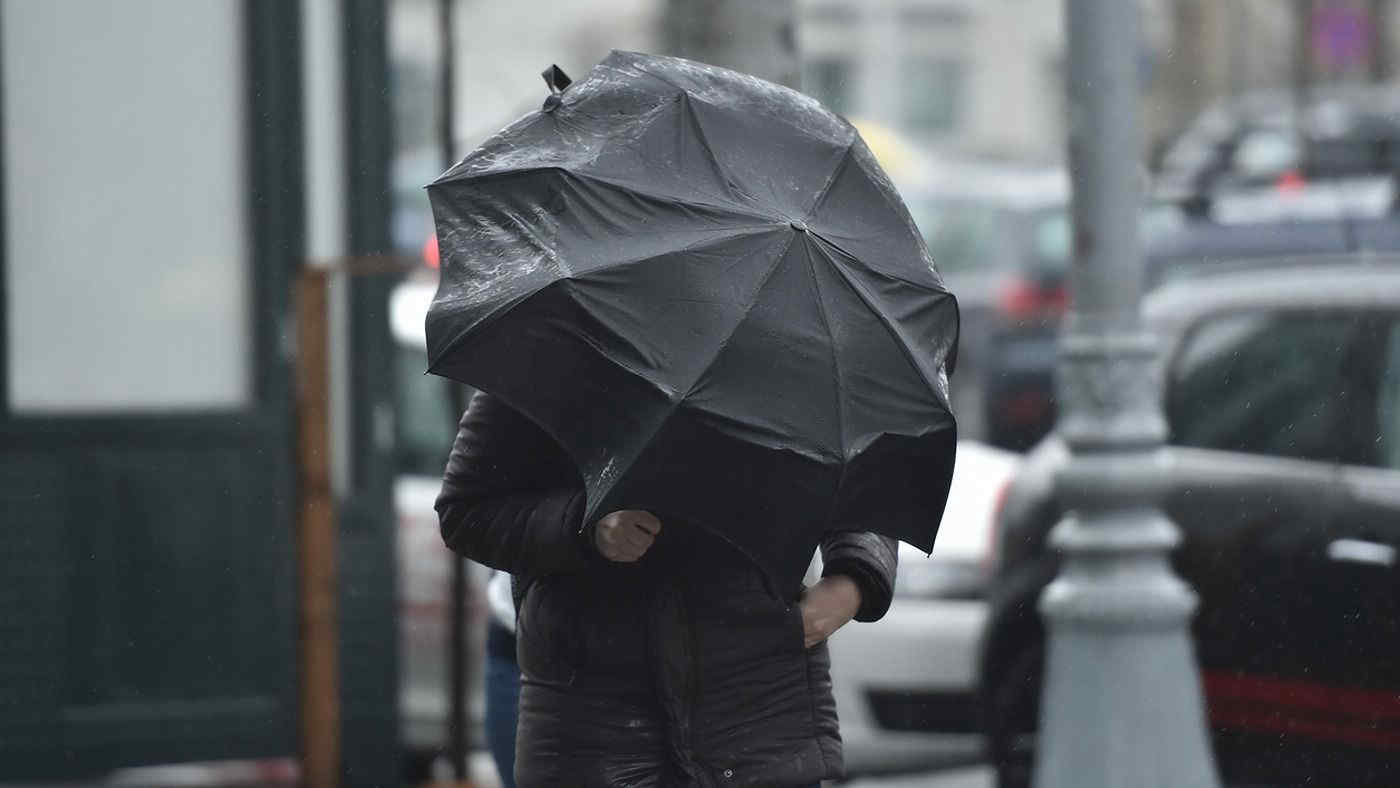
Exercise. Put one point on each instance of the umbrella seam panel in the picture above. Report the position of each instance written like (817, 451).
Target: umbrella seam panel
(900, 340)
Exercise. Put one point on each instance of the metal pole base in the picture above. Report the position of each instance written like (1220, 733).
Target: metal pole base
(1122, 703)
(1121, 714)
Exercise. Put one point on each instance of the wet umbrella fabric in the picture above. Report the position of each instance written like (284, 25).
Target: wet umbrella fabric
(703, 286)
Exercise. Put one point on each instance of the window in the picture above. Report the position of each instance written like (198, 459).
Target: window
(126, 231)
(933, 93)
(1290, 384)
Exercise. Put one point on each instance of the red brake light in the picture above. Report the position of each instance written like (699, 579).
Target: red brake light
(1025, 300)
(1291, 181)
(1025, 407)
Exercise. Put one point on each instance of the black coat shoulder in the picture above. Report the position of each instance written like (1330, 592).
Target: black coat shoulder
(510, 498)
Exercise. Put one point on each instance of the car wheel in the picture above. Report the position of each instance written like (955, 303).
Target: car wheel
(1013, 711)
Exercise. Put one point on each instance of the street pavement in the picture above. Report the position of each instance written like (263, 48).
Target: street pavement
(281, 773)
(977, 777)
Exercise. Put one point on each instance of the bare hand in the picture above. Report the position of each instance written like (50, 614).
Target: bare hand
(626, 536)
(828, 606)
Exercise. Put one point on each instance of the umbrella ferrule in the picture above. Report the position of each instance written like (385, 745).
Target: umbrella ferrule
(557, 81)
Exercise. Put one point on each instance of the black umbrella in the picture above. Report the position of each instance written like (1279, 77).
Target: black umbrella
(704, 287)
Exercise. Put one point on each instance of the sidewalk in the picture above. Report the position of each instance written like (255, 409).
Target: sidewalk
(976, 777)
(282, 774)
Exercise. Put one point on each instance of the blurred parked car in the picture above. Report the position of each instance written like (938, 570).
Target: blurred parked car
(905, 685)
(1269, 140)
(1282, 394)
(1204, 247)
(1019, 368)
(1251, 178)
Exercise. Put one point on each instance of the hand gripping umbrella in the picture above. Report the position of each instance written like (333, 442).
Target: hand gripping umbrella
(703, 286)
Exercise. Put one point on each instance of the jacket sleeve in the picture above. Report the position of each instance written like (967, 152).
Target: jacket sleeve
(510, 497)
(869, 559)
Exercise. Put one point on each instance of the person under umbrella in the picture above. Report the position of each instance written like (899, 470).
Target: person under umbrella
(713, 343)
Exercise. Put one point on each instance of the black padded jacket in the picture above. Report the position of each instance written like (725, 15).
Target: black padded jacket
(685, 668)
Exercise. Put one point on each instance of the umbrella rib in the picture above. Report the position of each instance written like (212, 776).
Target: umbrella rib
(896, 333)
(694, 118)
(846, 253)
(719, 351)
(840, 386)
(483, 322)
(500, 310)
(758, 229)
(698, 245)
(830, 180)
(687, 200)
(688, 97)
(821, 199)
(753, 299)
(491, 315)
(684, 97)
(835, 357)
(952, 360)
(661, 196)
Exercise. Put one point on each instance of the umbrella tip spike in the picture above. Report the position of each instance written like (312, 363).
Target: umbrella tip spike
(557, 81)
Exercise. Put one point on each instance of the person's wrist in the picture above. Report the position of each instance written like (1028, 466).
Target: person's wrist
(869, 583)
(844, 588)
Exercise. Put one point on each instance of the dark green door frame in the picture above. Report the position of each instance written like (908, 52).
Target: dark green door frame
(97, 512)
(367, 536)
(85, 501)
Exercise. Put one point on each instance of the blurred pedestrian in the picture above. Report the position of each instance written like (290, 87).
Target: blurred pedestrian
(502, 677)
(651, 652)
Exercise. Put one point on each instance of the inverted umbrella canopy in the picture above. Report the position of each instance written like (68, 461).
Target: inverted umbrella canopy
(703, 286)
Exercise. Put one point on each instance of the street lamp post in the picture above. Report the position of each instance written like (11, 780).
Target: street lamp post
(1122, 698)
